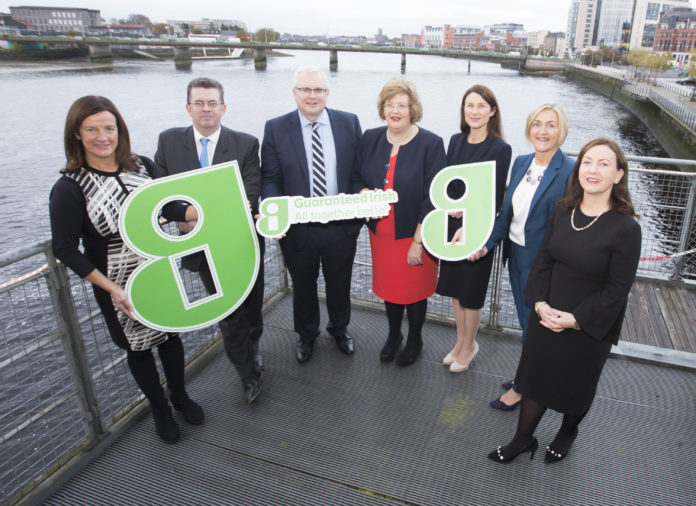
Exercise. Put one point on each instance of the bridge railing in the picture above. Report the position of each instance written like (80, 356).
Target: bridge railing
(66, 387)
(675, 109)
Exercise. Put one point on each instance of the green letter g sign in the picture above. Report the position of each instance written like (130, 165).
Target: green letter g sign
(477, 206)
(224, 233)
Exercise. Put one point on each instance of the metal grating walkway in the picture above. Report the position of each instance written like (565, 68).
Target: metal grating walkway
(349, 430)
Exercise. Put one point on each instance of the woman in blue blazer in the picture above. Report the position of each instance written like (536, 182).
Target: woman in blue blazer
(537, 180)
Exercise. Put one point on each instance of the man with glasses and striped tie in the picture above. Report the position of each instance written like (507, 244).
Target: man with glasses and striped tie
(312, 152)
(206, 143)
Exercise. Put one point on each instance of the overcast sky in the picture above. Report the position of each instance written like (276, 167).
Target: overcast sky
(350, 17)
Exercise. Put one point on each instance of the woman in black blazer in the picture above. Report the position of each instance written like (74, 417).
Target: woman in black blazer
(405, 158)
(481, 139)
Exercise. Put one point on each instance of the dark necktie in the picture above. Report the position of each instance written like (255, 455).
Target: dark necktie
(318, 171)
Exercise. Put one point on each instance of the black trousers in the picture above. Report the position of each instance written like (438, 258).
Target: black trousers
(333, 249)
(241, 330)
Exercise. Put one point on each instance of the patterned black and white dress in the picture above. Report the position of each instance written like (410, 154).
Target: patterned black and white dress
(85, 205)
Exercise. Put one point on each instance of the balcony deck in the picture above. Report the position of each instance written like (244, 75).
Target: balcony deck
(351, 430)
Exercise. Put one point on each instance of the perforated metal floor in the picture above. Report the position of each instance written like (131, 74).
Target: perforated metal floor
(350, 430)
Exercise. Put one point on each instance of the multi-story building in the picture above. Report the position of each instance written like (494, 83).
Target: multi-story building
(437, 37)
(646, 15)
(536, 39)
(467, 37)
(676, 33)
(554, 44)
(57, 19)
(410, 40)
(505, 27)
(582, 24)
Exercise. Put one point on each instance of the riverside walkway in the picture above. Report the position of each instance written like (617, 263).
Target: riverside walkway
(350, 430)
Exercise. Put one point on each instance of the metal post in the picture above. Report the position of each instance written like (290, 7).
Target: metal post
(333, 60)
(686, 231)
(494, 307)
(71, 338)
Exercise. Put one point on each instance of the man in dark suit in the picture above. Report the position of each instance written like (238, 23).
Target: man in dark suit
(312, 152)
(208, 143)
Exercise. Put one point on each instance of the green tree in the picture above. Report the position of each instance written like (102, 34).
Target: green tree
(265, 35)
(691, 69)
(196, 30)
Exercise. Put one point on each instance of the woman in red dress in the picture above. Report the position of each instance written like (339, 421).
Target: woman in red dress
(403, 157)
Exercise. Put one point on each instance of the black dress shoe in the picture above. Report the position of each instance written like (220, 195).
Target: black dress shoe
(192, 412)
(344, 343)
(409, 354)
(390, 349)
(304, 350)
(165, 425)
(252, 388)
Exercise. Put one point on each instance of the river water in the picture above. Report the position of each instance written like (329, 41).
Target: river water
(151, 96)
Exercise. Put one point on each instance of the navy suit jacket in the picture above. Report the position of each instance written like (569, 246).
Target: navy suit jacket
(284, 162)
(551, 187)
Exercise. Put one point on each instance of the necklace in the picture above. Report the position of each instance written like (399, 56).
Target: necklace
(531, 180)
(572, 221)
(405, 138)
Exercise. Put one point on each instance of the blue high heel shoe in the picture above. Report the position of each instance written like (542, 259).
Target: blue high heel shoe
(498, 404)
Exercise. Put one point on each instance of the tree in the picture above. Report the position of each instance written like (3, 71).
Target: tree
(196, 30)
(691, 69)
(161, 28)
(265, 35)
(139, 19)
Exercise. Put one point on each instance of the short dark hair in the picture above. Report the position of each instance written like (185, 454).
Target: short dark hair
(205, 82)
(80, 110)
(620, 199)
(495, 128)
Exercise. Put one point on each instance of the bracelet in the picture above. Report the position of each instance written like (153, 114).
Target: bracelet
(418, 242)
(538, 305)
(576, 326)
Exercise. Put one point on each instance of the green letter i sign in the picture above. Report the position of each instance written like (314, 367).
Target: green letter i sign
(225, 233)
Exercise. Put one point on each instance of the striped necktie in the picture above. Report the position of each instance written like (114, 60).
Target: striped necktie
(204, 152)
(318, 171)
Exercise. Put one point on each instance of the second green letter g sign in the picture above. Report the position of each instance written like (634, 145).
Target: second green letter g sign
(225, 233)
(477, 206)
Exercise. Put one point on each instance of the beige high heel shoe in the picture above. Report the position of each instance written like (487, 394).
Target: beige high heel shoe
(448, 360)
(457, 367)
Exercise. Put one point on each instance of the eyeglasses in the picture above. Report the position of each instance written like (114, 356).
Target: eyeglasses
(318, 92)
(213, 104)
(396, 107)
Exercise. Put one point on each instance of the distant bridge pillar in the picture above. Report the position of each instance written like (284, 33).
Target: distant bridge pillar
(403, 62)
(333, 60)
(182, 58)
(99, 53)
(260, 60)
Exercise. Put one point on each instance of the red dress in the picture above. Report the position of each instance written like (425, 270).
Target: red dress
(393, 279)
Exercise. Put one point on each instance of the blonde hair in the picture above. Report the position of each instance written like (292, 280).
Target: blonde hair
(562, 122)
(396, 86)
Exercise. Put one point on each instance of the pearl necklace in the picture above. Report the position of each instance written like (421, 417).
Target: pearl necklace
(572, 220)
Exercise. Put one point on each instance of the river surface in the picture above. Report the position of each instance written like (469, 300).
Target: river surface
(152, 95)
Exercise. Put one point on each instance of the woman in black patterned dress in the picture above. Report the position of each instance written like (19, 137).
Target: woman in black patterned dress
(579, 285)
(99, 173)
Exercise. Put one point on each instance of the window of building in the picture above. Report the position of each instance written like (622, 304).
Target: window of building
(653, 11)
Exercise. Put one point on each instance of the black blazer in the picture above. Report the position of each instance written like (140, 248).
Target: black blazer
(176, 153)
(416, 166)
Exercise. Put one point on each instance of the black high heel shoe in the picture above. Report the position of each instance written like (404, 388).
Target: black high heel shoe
(555, 454)
(497, 455)
(390, 349)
